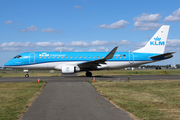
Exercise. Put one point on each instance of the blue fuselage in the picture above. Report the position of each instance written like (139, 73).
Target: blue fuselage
(51, 59)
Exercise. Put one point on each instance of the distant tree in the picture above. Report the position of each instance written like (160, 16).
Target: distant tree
(178, 65)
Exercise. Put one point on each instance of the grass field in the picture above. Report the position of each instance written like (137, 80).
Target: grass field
(96, 73)
(132, 72)
(150, 100)
(30, 74)
(15, 98)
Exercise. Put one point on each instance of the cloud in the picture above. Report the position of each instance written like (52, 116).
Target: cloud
(77, 7)
(49, 44)
(10, 49)
(173, 43)
(50, 30)
(17, 44)
(100, 49)
(106, 43)
(147, 21)
(116, 25)
(146, 25)
(148, 18)
(79, 43)
(29, 29)
(174, 17)
(120, 43)
(99, 43)
(8, 22)
(64, 49)
(59, 46)
(142, 44)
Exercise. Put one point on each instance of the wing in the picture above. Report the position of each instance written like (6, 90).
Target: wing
(99, 61)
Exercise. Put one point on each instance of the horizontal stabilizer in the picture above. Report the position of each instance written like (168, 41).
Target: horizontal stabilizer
(162, 56)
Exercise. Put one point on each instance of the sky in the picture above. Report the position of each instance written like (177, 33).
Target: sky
(86, 25)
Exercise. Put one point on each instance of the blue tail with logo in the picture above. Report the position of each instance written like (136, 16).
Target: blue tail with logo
(157, 43)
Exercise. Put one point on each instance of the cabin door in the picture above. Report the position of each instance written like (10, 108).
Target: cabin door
(31, 58)
(131, 58)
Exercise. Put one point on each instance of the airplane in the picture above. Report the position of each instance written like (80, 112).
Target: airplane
(72, 62)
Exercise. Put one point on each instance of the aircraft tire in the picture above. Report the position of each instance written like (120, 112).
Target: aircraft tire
(26, 75)
(88, 74)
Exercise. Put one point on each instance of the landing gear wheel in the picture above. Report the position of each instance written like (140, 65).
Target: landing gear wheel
(88, 74)
(26, 75)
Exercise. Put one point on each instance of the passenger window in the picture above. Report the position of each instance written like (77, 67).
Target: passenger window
(102, 56)
(39, 56)
(97, 56)
(71, 57)
(89, 57)
(53, 56)
(93, 57)
(66, 56)
(62, 57)
(57, 56)
(120, 57)
(48, 56)
(75, 57)
(84, 56)
(116, 57)
(44, 56)
(79, 56)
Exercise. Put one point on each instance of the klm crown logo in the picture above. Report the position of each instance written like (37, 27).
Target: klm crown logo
(157, 41)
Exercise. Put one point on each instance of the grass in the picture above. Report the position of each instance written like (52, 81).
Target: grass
(30, 74)
(132, 72)
(95, 73)
(15, 98)
(150, 100)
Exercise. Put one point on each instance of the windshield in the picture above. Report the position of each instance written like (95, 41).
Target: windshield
(18, 56)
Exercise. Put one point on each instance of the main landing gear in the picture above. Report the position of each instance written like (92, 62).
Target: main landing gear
(88, 74)
(26, 71)
(26, 75)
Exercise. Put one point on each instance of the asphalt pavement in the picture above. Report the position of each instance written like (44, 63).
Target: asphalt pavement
(74, 98)
(73, 101)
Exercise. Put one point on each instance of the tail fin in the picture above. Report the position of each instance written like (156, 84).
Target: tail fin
(157, 43)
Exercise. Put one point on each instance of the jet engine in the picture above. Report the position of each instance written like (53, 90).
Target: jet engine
(70, 69)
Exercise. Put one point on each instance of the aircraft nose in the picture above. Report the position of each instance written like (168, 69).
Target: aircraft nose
(8, 64)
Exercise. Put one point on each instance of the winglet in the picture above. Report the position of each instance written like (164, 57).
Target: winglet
(111, 54)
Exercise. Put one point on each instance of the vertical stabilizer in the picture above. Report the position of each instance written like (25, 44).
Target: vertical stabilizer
(157, 43)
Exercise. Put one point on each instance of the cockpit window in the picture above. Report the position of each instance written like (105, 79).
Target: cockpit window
(18, 56)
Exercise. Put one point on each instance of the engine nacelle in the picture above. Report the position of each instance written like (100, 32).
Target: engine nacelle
(70, 69)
